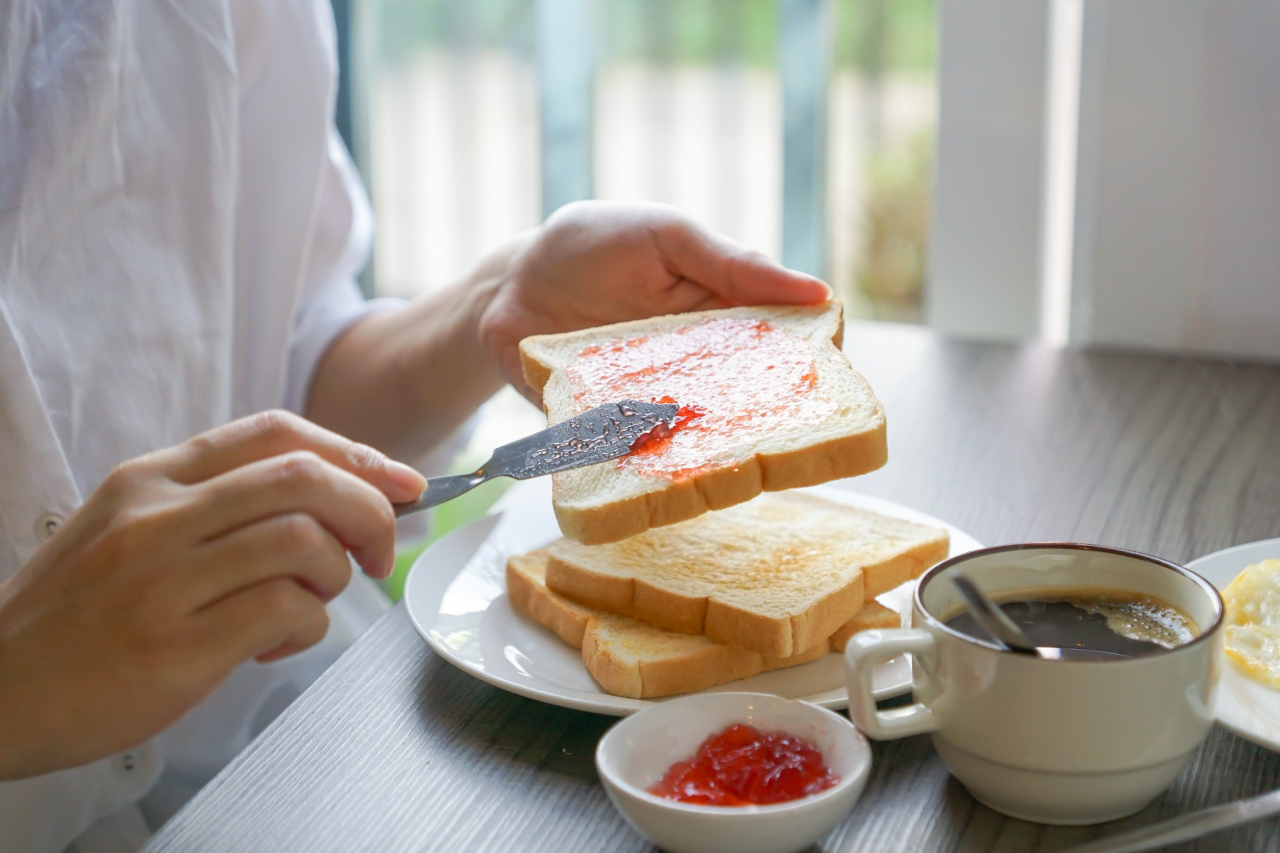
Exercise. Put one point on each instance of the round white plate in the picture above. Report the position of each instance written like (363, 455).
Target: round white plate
(456, 599)
(1246, 707)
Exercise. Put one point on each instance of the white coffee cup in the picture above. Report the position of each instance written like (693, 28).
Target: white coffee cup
(1052, 741)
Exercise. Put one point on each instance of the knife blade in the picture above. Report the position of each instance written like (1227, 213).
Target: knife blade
(597, 435)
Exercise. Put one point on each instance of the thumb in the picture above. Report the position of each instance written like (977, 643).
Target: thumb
(734, 272)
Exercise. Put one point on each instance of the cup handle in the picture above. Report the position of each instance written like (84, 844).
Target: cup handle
(864, 651)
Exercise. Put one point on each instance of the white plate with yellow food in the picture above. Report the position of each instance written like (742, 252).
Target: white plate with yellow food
(1249, 691)
(456, 598)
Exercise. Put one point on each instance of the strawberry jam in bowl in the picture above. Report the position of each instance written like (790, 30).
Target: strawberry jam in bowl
(743, 766)
(743, 772)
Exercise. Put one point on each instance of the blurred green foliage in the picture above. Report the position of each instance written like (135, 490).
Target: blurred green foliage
(873, 35)
(691, 32)
(402, 27)
(885, 35)
(895, 233)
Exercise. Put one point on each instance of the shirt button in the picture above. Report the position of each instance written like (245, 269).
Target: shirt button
(47, 525)
(127, 761)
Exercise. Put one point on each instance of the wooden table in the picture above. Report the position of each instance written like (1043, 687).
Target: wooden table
(395, 750)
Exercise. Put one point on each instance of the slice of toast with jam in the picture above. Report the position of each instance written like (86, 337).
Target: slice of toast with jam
(768, 402)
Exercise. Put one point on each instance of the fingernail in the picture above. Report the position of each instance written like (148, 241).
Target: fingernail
(405, 476)
(820, 283)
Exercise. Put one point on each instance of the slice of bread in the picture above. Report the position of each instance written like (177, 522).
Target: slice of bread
(872, 615)
(527, 589)
(777, 575)
(628, 657)
(775, 406)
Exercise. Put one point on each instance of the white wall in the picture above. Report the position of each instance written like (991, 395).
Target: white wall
(984, 254)
(1178, 206)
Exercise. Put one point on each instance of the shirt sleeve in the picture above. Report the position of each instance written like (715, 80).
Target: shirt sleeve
(43, 814)
(330, 300)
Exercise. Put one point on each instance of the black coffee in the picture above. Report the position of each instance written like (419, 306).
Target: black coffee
(1113, 623)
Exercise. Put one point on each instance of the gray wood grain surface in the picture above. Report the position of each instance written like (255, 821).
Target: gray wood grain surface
(395, 750)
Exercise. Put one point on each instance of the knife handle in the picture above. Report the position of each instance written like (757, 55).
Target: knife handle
(439, 490)
(1186, 827)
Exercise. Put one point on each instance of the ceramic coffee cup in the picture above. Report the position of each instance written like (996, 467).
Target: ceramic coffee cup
(1052, 741)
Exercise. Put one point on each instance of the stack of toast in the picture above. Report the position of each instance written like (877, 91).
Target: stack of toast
(662, 596)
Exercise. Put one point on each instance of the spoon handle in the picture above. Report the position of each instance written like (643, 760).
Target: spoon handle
(1187, 826)
(992, 619)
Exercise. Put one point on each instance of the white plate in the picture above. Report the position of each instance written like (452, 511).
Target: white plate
(456, 599)
(1245, 707)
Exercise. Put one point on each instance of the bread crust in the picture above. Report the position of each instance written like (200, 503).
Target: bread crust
(599, 636)
(667, 675)
(872, 615)
(615, 675)
(610, 593)
(567, 620)
(719, 622)
(824, 618)
(716, 665)
(841, 457)
(734, 626)
(680, 500)
(666, 609)
(881, 577)
(768, 663)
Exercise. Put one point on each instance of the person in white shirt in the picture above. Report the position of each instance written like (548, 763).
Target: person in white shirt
(191, 388)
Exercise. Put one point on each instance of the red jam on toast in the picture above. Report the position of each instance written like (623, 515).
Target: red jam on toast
(742, 766)
(736, 380)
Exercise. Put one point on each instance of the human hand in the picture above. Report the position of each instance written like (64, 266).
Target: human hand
(182, 565)
(594, 263)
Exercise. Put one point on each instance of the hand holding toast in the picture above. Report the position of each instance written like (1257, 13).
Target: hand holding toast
(595, 263)
(403, 379)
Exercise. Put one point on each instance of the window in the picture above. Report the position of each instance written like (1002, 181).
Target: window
(452, 150)
(686, 106)
(883, 107)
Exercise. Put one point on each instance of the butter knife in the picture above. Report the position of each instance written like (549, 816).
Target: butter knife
(1187, 827)
(597, 435)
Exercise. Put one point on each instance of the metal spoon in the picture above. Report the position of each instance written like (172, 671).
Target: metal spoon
(1007, 633)
(992, 619)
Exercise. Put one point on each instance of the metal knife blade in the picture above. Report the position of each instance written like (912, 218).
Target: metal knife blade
(597, 435)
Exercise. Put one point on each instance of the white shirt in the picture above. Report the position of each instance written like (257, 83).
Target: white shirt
(179, 231)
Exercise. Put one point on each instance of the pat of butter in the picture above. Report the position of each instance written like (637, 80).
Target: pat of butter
(1252, 636)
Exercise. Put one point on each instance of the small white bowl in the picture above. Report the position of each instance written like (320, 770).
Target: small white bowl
(636, 752)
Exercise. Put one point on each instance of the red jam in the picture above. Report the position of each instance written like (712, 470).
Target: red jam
(743, 766)
(737, 381)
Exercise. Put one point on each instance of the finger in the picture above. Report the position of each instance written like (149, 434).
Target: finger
(293, 546)
(696, 297)
(740, 275)
(274, 433)
(274, 617)
(357, 514)
(284, 650)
